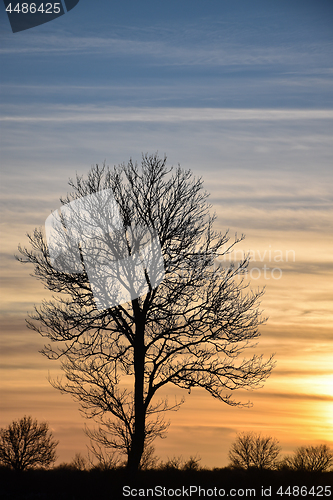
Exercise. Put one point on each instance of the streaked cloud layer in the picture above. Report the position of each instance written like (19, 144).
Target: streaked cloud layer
(94, 114)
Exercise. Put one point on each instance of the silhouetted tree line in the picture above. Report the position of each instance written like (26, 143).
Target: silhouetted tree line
(27, 444)
(263, 452)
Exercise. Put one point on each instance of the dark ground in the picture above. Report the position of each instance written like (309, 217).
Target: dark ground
(67, 484)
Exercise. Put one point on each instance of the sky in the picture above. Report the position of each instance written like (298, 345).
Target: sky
(239, 92)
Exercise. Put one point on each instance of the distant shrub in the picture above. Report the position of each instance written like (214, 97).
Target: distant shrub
(310, 458)
(178, 463)
(254, 451)
(79, 462)
(192, 464)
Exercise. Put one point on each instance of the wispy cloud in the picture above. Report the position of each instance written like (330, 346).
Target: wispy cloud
(294, 395)
(188, 47)
(102, 114)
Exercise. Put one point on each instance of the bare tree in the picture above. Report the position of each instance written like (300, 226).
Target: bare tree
(240, 453)
(310, 458)
(188, 331)
(26, 444)
(253, 450)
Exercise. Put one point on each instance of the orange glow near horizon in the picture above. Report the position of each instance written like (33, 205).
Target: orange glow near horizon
(296, 403)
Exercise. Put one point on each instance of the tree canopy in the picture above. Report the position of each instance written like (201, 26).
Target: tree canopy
(188, 330)
(254, 451)
(310, 458)
(27, 444)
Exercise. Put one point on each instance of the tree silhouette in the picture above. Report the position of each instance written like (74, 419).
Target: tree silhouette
(188, 331)
(310, 458)
(253, 450)
(26, 444)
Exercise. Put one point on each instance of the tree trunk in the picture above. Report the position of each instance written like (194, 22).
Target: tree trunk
(138, 439)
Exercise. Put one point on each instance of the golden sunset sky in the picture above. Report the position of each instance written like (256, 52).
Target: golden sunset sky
(243, 100)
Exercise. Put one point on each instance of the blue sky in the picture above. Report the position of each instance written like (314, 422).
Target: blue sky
(240, 92)
(179, 53)
(84, 87)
